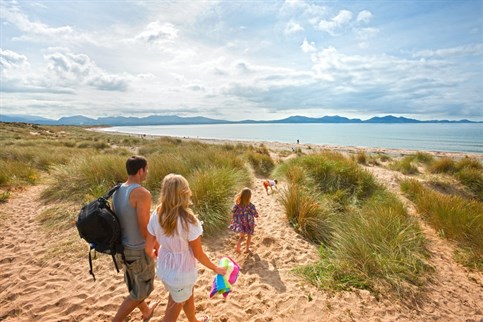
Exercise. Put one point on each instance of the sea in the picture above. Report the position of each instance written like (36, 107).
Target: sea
(438, 137)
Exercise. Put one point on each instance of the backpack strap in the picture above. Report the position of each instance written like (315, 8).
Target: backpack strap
(111, 191)
(115, 262)
(90, 263)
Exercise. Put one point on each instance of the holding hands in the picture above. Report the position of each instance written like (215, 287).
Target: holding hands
(220, 270)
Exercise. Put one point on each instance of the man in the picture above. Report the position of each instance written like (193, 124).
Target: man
(269, 183)
(132, 204)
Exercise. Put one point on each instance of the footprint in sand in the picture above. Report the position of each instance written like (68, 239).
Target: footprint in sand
(267, 241)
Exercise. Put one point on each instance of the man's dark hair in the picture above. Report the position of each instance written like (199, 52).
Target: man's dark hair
(134, 163)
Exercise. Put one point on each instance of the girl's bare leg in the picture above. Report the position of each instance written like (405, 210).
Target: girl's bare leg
(249, 239)
(238, 244)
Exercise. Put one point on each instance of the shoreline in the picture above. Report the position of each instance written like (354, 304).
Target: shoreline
(305, 147)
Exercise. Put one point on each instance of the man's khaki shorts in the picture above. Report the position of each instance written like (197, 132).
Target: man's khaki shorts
(138, 273)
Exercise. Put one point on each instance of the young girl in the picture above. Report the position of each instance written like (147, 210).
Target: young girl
(178, 231)
(243, 218)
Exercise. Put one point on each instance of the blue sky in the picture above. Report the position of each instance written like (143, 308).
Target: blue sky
(240, 60)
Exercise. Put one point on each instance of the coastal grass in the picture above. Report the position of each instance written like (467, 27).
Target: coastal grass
(85, 178)
(405, 165)
(367, 239)
(468, 171)
(454, 217)
(260, 160)
(80, 165)
(215, 174)
(306, 213)
(28, 151)
(409, 164)
(213, 190)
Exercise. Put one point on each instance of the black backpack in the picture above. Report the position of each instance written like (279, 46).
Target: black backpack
(100, 227)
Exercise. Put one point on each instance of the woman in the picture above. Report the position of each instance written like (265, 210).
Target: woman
(178, 231)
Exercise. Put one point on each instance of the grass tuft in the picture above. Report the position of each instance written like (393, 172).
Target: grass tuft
(455, 217)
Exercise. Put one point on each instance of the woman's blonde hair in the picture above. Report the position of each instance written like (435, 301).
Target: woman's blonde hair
(174, 202)
(243, 197)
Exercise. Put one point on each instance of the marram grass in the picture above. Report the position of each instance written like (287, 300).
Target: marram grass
(379, 248)
(453, 217)
(367, 238)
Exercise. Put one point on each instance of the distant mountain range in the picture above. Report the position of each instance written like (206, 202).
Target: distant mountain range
(177, 120)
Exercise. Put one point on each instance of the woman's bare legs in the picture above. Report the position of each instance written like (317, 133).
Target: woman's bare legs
(172, 310)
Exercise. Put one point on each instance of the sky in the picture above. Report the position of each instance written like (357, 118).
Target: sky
(238, 60)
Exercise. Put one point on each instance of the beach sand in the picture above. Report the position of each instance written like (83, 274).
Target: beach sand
(36, 285)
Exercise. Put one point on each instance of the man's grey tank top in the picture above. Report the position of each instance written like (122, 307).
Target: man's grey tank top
(131, 237)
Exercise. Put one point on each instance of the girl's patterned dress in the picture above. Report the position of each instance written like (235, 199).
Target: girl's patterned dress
(243, 219)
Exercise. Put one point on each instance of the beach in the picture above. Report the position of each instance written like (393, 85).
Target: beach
(37, 285)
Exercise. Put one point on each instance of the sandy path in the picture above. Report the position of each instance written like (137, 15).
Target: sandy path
(60, 289)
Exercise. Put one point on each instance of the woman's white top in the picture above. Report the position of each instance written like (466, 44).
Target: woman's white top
(176, 265)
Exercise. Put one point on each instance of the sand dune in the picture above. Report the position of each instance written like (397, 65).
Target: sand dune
(36, 286)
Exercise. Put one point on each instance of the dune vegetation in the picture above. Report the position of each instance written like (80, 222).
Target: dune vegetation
(367, 239)
(454, 217)
(79, 165)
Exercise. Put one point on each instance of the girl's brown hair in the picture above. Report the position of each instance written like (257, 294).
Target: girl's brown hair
(174, 201)
(243, 197)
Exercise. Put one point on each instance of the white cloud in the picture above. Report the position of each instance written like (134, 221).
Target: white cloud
(468, 50)
(331, 26)
(378, 84)
(293, 27)
(11, 60)
(37, 31)
(364, 16)
(308, 47)
(72, 70)
(343, 17)
(157, 32)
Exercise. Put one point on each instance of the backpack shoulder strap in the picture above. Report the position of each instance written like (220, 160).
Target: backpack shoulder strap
(111, 191)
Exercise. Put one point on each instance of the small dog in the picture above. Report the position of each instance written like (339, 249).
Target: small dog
(269, 184)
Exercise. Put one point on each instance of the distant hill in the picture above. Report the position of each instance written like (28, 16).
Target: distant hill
(178, 120)
(22, 118)
(325, 119)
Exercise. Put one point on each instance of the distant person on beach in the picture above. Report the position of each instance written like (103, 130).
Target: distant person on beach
(177, 230)
(269, 184)
(243, 218)
(132, 204)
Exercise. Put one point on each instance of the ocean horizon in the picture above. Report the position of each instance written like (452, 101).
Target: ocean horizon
(466, 138)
